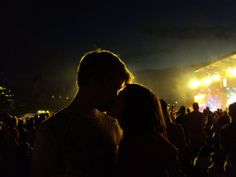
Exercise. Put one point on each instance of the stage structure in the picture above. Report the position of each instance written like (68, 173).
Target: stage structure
(214, 85)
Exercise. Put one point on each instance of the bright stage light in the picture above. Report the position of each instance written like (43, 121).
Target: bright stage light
(231, 71)
(42, 111)
(207, 81)
(216, 77)
(194, 84)
(233, 56)
(231, 98)
(199, 97)
(201, 100)
(225, 82)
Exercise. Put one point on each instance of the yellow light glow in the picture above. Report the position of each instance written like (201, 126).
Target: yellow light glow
(2, 88)
(233, 56)
(194, 84)
(231, 98)
(224, 82)
(231, 71)
(207, 81)
(42, 111)
(216, 77)
(199, 97)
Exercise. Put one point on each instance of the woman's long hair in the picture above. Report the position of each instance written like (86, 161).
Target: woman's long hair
(142, 111)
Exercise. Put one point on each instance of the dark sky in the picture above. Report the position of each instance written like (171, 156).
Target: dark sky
(51, 36)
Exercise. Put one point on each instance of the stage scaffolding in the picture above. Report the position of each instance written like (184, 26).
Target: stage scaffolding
(214, 85)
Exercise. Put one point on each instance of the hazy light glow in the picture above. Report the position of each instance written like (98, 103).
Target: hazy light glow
(42, 112)
(194, 84)
(216, 77)
(198, 98)
(207, 81)
(231, 99)
(224, 82)
(2, 88)
(231, 72)
(233, 56)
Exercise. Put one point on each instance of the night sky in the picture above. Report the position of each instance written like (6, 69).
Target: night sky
(50, 36)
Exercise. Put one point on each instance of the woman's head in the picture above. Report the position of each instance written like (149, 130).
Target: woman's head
(139, 110)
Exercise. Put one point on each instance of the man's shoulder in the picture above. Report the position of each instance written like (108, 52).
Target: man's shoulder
(167, 146)
(104, 119)
(195, 115)
(100, 115)
(56, 120)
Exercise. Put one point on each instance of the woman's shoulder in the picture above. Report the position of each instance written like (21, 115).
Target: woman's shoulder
(164, 145)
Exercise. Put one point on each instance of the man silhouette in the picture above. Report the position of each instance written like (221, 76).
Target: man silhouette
(228, 143)
(195, 130)
(81, 140)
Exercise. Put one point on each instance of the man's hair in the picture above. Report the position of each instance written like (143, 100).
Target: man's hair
(104, 66)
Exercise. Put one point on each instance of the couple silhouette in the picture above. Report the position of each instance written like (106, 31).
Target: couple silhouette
(84, 140)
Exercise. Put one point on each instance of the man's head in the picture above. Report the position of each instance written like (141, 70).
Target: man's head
(103, 73)
(232, 111)
(195, 106)
(182, 109)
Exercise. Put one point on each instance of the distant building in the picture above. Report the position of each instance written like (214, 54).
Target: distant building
(7, 101)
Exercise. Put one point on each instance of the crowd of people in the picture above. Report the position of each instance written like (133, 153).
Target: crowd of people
(117, 128)
(16, 144)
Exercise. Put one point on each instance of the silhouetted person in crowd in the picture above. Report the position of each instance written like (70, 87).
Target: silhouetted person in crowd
(10, 147)
(81, 139)
(195, 131)
(209, 124)
(143, 152)
(24, 159)
(188, 111)
(202, 162)
(181, 119)
(220, 121)
(175, 133)
(30, 125)
(217, 167)
(22, 131)
(228, 142)
(24, 151)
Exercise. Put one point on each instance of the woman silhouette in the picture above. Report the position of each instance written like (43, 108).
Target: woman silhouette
(144, 150)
